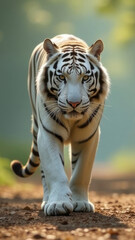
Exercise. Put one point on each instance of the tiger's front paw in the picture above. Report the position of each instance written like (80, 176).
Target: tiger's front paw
(58, 208)
(83, 206)
(59, 203)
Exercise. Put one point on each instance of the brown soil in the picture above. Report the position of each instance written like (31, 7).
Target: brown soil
(22, 219)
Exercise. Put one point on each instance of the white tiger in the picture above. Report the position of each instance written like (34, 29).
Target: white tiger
(68, 86)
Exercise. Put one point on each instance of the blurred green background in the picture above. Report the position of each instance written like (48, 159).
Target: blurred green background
(24, 24)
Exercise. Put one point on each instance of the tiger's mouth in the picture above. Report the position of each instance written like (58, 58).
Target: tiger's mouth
(73, 115)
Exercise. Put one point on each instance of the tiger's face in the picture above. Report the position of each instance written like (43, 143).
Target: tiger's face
(72, 80)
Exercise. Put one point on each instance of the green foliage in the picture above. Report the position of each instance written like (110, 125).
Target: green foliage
(107, 6)
(15, 150)
(124, 12)
(6, 175)
(124, 161)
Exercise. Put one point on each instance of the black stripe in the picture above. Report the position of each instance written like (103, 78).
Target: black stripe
(75, 154)
(52, 133)
(65, 55)
(55, 82)
(35, 122)
(80, 60)
(59, 71)
(83, 66)
(49, 94)
(61, 159)
(33, 164)
(51, 74)
(46, 77)
(81, 55)
(55, 64)
(64, 65)
(35, 152)
(93, 90)
(73, 53)
(53, 89)
(53, 116)
(90, 118)
(34, 134)
(87, 139)
(101, 86)
(66, 59)
(91, 66)
(74, 161)
(28, 172)
(96, 76)
(35, 142)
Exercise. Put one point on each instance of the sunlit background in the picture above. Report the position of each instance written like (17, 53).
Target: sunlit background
(24, 24)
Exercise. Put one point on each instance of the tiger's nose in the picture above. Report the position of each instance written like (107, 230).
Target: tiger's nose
(73, 104)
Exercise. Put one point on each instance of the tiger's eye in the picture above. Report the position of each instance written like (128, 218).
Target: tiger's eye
(85, 78)
(62, 77)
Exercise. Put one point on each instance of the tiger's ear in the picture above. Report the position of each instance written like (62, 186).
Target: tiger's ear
(96, 49)
(49, 47)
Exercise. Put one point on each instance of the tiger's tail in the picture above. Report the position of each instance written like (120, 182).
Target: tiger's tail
(30, 167)
(33, 160)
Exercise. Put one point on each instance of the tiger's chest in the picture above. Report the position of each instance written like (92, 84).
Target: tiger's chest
(69, 130)
(80, 131)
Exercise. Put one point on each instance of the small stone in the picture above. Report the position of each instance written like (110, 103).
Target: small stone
(2, 218)
(12, 212)
(27, 208)
(94, 229)
(27, 231)
(128, 230)
(38, 236)
(6, 235)
(64, 222)
(50, 237)
(78, 229)
(30, 219)
(107, 236)
(113, 231)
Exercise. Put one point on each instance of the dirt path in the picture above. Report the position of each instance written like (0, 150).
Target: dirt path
(21, 218)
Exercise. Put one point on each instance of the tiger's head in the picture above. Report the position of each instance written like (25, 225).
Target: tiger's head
(73, 77)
